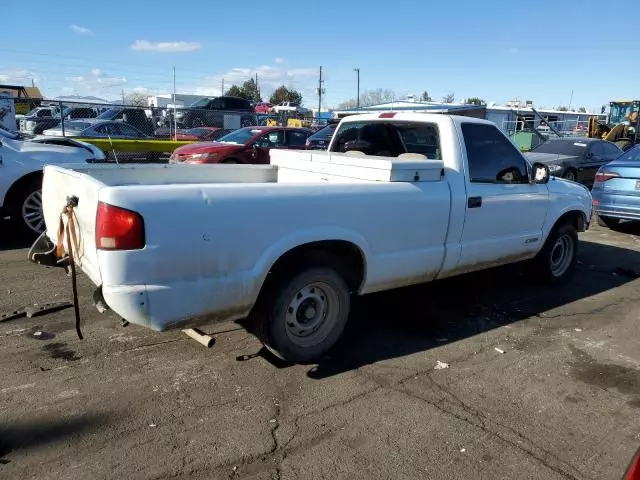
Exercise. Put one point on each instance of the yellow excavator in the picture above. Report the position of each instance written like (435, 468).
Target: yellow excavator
(621, 127)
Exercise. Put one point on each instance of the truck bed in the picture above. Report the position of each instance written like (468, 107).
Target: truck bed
(212, 232)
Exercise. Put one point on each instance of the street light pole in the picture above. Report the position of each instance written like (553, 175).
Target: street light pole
(357, 70)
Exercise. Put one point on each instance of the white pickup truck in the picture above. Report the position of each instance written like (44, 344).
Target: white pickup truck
(398, 199)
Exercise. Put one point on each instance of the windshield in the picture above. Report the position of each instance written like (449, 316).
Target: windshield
(200, 103)
(632, 155)
(562, 147)
(110, 114)
(324, 132)
(620, 112)
(76, 126)
(241, 136)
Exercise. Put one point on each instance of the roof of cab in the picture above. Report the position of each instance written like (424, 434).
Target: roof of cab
(413, 117)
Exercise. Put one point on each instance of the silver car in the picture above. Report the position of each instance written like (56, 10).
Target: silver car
(96, 128)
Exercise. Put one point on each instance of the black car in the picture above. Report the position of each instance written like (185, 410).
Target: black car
(574, 158)
(320, 140)
(133, 116)
(221, 112)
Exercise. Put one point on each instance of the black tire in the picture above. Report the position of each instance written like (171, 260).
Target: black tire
(608, 222)
(624, 145)
(281, 326)
(570, 174)
(23, 206)
(230, 161)
(548, 265)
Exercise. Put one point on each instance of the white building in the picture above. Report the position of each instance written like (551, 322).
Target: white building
(166, 100)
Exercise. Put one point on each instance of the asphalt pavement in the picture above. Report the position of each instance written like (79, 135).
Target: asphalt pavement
(486, 376)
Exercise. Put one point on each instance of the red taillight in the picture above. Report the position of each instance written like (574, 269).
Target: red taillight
(118, 228)
(602, 177)
(633, 473)
(387, 115)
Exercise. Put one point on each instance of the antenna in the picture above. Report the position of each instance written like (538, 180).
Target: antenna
(113, 149)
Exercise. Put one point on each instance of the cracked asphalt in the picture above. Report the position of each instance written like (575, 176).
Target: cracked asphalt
(561, 402)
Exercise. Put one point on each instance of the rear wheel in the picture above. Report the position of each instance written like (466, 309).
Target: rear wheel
(570, 175)
(608, 222)
(556, 261)
(230, 160)
(301, 316)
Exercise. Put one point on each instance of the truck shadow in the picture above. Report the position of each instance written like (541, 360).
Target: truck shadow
(36, 433)
(10, 239)
(415, 319)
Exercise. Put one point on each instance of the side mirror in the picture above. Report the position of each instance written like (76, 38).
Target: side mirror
(540, 173)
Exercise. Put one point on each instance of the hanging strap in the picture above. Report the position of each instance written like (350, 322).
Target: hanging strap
(72, 246)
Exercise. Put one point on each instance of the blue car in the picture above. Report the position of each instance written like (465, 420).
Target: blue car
(616, 189)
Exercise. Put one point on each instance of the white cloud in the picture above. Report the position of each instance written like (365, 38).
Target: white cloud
(81, 30)
(280, 61)
(96, 82)
(165, 47)
(18, 76)
(270, 77)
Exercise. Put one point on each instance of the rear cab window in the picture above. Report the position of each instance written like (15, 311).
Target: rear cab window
(388, 139)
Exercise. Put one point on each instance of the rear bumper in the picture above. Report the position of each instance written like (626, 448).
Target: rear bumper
(626, 207)
(162, 307)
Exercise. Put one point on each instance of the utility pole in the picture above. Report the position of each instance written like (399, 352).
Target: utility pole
(320, 91)
(357, 70)
(570, 100)
(222, 90)
(257, 88)
(175, 119)
(123, 96)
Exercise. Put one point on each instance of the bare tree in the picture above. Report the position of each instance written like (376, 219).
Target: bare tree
(368, 98)
(425, 97)
(449, 98)
(137, 99)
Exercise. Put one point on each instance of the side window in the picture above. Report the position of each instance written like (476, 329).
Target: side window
(217, 104)
(296, 139)
(271, 139)
(596, 149)
(129, 131)
(611, 150)
(43, 113)
(492, 158)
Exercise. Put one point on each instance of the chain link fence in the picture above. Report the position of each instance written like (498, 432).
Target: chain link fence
(136, 132)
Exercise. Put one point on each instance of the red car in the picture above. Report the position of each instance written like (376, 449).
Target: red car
(245, 145)
(203, 133)
(263, 107)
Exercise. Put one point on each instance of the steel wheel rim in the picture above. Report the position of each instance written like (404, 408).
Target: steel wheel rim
(32, 214)
(561, 255)
(570, 176)
(311, 314)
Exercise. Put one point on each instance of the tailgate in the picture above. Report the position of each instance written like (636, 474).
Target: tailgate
(60, 183)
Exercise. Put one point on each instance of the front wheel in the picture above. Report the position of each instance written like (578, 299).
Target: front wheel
(303, 317)
(26, 209)
(556, 261)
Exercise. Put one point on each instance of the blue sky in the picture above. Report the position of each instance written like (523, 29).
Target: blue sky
(496, 50)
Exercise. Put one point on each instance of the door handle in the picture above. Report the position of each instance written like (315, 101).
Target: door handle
(474, 202)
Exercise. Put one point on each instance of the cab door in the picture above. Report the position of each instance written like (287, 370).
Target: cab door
(505, 212)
